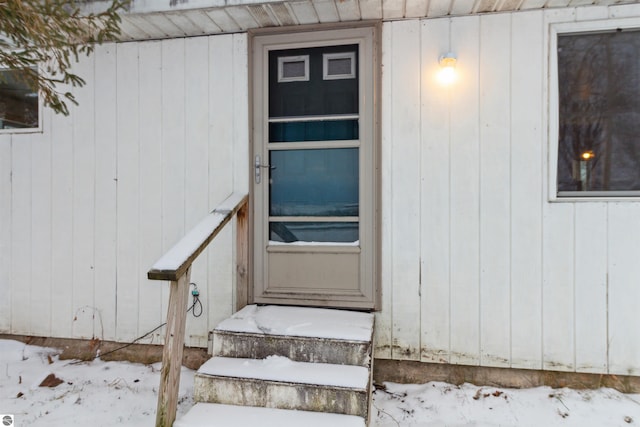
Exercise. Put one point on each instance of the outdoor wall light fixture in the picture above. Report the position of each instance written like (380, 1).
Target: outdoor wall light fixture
(447, 73)
(582, 169)
(587, 155)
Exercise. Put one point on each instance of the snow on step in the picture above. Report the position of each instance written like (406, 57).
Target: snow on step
(215, 415)
(301, 321)
(282, 369)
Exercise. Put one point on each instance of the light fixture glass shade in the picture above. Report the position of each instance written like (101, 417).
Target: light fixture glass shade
(447, 73)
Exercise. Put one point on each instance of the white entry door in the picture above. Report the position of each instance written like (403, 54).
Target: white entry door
(314, 169)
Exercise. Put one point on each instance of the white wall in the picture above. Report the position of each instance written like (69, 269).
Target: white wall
(89, 204)
(479, 268)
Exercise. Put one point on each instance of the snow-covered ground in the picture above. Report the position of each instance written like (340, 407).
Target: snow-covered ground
(116, 393)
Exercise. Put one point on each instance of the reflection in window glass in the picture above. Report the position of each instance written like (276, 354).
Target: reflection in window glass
(336, 232)
(599, 112)
(318, 182)
(327, 130)
(18, 103)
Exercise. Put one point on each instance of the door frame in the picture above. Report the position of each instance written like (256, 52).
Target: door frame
(308, 36)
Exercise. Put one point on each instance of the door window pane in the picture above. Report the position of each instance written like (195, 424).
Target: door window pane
(293, 68)
(339, 66)
(313, 232)
(321, 182)
(317, 96)
(327, 130)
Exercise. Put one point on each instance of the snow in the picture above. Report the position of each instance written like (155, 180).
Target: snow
(303, 243)
(301, 322)
(101, 393)
(234, 416)
(440, 404)
(279, 368)
(93, 393)
(189, 244)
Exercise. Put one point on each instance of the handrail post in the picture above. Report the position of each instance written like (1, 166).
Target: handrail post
(173, 351)
(242, 257)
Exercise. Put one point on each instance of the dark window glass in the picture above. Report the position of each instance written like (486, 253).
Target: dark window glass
(293, 69)
(321, 182)
(339, 66)
(316, 97)
(289, 232)
(326, 130)
(18, 103)
(599, 107)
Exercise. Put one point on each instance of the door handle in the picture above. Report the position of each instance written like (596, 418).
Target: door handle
(257, 167)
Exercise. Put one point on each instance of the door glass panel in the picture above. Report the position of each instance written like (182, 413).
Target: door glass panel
(313, 232)
(319, 182)
(327, 130)
(316, 96)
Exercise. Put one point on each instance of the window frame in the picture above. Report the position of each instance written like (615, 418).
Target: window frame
(297, 58)
(575, 28)
(39, 127)
(326, 57)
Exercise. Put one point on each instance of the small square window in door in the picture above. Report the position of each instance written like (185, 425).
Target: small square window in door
(293, 68)
(337, 66)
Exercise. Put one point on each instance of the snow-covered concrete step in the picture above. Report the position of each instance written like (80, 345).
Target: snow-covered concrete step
(300, 333)
(278, 382)
(215, 415)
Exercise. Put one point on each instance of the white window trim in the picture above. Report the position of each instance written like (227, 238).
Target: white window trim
(341, 55)
(551, 56)
(284, 59)
(37, 129)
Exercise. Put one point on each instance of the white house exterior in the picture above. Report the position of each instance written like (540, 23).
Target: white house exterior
(480, 262)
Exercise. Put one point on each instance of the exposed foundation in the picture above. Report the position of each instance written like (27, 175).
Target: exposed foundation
(88, 350)
(399, 371)
(410, 372)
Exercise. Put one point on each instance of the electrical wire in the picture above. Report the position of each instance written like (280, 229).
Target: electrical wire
(196, 309)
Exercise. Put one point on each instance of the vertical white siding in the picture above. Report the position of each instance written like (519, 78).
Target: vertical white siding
(21, 235)
(196, 100)
(220, 165)
(91, 202)
(526, 134)
(6, 303)
(478, 267)
(464, 177)
(591, 287)
(385, 315)
(106, 185)
(150, 313)
(83, 228)
(128, 194)
(41, 266)
(435, 195)
(495, 191)
(623, 291)
(506, 277)
(404, 64)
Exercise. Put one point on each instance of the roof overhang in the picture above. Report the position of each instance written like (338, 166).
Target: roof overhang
(154, 19)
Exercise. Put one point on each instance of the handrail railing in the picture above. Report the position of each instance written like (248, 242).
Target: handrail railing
(175, 265)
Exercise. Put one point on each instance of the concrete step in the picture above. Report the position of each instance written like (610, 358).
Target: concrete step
(277, 382)
(214, 415)
(298, 333)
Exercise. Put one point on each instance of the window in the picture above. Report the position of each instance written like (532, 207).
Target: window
(293, 68)
(598, 114)
(18, 103)
(336, 66)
